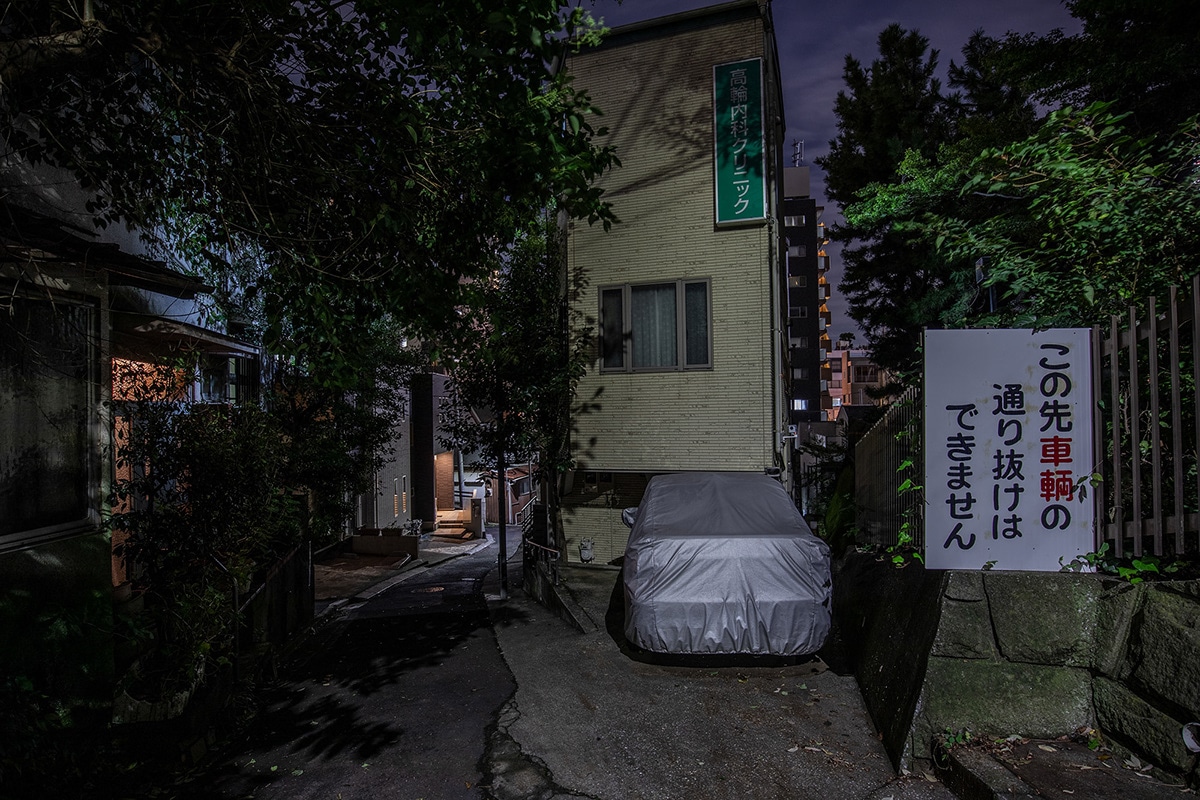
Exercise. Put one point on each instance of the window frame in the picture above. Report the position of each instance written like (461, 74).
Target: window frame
(626, 327)
(88, 391)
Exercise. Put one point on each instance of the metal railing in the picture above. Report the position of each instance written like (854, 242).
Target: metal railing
(887, 454)
(522, 515)
(536, 550)
(1146, 365)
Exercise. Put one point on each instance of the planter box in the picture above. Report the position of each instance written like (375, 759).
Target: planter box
(384, 542)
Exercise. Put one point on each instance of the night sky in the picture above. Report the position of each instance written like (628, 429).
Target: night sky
(814, 39)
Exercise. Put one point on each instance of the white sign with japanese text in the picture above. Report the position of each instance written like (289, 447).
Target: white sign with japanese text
(1008, 446)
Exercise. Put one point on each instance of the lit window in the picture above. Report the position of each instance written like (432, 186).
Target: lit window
(657, 326)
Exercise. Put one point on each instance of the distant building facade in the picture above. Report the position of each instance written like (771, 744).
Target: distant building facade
(807, 291)
(855, 379)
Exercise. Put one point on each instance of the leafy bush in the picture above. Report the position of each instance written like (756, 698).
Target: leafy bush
(201, 503)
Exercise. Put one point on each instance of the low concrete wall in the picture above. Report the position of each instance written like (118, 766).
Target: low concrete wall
(385, 542)
(1032, 654)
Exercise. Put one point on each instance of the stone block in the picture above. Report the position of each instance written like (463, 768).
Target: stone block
(964, 630)
(1164, 648)
(1153, 733)
(888, 619)
(1118, 603)
(964, 585)
(997, 698)
(1044, 617)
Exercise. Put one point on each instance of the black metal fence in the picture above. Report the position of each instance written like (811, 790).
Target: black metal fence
(1146, 366)
(275, 609)
(887, 455)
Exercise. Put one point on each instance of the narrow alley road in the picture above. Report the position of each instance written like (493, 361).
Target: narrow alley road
(391, 698)
(423, 692)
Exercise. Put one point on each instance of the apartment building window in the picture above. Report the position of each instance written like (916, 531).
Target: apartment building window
(798, 312)
(796, 221)
(797, 251)
(656, 326)
(798, 281)
(868, 374)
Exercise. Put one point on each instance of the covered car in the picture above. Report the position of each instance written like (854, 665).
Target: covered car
(723, 563)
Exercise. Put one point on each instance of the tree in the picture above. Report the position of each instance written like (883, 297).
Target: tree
(993, 103)
(1087, 218)
(892, 107)
(1046, 207)
(1140, 55)
(514, 381)
(347, 160)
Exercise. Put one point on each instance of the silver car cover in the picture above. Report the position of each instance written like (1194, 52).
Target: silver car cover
(722, 562)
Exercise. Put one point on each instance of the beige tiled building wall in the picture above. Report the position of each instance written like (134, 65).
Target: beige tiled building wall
(654, 85)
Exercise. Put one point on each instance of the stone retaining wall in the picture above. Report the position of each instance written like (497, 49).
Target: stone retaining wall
(1026, 653)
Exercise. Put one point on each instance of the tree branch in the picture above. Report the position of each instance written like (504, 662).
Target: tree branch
(21, 57)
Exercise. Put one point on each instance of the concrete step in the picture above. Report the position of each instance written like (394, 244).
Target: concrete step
(1028, 768)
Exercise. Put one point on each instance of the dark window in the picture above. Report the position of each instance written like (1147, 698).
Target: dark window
(48, 403)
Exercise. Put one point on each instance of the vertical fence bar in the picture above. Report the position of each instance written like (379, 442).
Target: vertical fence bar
(1097, 439)
(1114, 397)
(1196, 377)
(1135, 433)
(1155, 429)
(1176, 420)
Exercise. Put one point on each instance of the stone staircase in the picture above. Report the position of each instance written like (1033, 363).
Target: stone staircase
(453, 523)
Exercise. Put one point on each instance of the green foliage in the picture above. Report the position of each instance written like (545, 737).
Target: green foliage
(1071, 216)
(200, 504)
(332, 438)
(1058, 242)
(952, 738)
(338, 162)
(836, 498)
(49, 702)
(1139, 54)
(1135, 569)
(208, 496)
(514, 376)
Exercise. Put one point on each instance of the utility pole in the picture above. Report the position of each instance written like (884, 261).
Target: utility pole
(502, 490)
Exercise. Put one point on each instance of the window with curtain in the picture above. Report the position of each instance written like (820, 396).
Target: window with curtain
(656, 326)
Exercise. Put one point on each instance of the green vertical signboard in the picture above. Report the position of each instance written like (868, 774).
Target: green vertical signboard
(739, 158)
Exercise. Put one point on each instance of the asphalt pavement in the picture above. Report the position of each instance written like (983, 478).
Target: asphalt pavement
(592, 719)
(424, 680)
